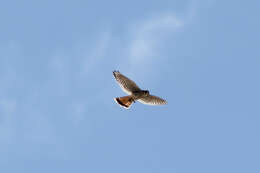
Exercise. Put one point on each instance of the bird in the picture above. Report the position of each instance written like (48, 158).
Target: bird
(134, 93)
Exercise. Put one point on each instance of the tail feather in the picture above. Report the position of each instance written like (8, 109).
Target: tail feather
(125, 101)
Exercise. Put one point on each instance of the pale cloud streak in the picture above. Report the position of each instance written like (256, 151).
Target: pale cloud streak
(96, 55)
(20, 123)
(147, 37)
(77, 66)
(145, 43)
(148, 33)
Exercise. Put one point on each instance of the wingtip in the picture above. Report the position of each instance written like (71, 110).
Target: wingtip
(115, 71)
(165, 102)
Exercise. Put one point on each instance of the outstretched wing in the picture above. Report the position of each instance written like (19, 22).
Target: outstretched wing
(125, 83)
(152, 100)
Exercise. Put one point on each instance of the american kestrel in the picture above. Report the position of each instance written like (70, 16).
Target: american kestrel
(134, 93)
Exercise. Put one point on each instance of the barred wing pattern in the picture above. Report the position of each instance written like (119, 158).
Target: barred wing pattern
(152, 100)
(125, 83)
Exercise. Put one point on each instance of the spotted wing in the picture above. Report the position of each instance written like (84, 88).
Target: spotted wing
(152, 100)
(125, 83)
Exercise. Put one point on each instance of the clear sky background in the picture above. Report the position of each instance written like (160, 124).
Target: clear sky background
(57, 112)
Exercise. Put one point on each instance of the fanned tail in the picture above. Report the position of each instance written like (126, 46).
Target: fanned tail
(125, 101)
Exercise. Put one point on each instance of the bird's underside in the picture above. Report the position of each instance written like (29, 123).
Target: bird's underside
(134, 93)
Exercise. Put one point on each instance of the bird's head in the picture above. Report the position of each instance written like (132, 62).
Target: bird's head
(146, 92)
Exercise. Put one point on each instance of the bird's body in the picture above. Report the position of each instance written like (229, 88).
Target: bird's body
(135, 93)
(140, 94)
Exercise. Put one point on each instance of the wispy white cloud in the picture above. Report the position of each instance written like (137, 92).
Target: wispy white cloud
(96, 55)
(20, 123)
(82, 57)
(148, 35)
(77, 66)
(146, 38)
(68, 68)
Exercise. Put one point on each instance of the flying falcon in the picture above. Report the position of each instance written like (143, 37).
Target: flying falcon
(134, 93)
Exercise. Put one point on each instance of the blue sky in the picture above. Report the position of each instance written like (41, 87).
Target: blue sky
(57, 112)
